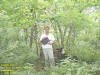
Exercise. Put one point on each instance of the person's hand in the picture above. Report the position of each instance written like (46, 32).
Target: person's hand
(50, 43)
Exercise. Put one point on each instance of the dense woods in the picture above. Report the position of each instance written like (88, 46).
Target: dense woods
(75, 25)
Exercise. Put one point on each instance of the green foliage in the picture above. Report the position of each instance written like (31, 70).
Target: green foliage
(69, 67)
(89, 55)
(74, 26)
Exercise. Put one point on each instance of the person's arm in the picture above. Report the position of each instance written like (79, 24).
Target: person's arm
(41, 41)
(52, 41)
(42, 38)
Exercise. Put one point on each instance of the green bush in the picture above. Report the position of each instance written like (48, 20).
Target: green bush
(89, 55)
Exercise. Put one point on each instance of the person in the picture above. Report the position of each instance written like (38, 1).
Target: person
(47, 48)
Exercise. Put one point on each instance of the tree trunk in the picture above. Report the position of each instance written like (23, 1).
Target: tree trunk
(31, 36)
(26, 36)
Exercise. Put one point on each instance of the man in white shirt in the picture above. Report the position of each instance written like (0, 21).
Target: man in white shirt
(47, 48)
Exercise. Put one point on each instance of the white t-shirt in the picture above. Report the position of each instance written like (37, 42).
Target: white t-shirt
(50, 37)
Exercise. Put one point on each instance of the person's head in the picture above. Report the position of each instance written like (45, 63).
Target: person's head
(46, 28)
